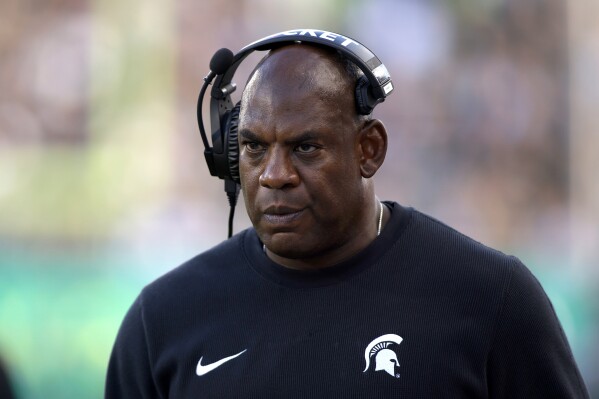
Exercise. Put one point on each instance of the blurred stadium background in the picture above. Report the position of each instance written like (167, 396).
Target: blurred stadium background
(494, 130)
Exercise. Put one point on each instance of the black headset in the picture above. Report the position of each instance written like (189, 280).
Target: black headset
(223, 157)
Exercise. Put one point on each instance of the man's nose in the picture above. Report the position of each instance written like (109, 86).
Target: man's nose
(279, 171)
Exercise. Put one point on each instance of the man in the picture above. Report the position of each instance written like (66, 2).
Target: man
(332, 293)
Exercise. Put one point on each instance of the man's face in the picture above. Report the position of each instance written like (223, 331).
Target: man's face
(298, 161)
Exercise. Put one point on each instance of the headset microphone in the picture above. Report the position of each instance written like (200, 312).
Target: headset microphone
(221, 61)
(222, 157)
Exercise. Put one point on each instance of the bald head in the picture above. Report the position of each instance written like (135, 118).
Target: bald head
(302, 69)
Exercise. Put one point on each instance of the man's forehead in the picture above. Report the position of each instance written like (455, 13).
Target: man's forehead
(301, 103)
(281, 107)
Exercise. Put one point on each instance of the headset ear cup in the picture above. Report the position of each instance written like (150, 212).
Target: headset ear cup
(363, 102)
(232, 143)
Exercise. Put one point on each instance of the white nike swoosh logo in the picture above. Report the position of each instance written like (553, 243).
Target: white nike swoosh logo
(201, 369)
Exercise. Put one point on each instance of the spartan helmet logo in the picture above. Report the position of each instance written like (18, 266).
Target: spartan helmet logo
(384, 358)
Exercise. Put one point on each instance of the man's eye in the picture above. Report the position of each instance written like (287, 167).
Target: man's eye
(252, 146)
(306, 148)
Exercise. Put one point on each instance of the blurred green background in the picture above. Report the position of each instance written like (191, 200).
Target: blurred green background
(493, 129)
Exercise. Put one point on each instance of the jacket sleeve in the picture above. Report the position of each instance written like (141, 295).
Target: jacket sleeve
(129, 373)
(530, 356)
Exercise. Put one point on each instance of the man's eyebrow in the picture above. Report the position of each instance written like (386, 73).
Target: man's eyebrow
(248, 135)
(303, 137)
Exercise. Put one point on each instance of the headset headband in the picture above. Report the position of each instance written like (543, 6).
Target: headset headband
(374, 70)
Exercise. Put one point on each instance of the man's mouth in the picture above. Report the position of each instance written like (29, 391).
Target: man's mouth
(281, 215)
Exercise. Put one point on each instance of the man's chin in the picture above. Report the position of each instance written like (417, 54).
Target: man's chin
(289, 245)
(287, 251)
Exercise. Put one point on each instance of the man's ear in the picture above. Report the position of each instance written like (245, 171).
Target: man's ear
(372, 145)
